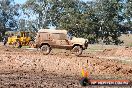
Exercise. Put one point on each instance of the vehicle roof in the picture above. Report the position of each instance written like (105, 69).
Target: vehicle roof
(53, 31)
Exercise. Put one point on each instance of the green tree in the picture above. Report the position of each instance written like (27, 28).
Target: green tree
(40, 8)
(128, 13)
(72, 15)
(109, 14)
(8, 12)
(99, 19)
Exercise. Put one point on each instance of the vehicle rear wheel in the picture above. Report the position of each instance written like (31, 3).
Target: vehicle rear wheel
(17, 44)
(45, 49)
(77, 50)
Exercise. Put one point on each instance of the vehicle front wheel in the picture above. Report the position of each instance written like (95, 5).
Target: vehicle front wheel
(77, 50)
(45, 49)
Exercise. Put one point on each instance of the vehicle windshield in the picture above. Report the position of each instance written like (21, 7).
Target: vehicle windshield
(69, 35)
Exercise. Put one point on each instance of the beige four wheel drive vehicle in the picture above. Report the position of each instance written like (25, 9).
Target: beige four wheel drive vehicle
(47, 39)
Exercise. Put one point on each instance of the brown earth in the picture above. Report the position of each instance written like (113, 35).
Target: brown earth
(126, 51)
(24, 68)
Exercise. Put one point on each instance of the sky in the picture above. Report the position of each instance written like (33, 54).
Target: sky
(22, 1)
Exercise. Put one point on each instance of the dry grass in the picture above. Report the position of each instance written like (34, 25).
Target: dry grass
(93, 48)
(127, 39)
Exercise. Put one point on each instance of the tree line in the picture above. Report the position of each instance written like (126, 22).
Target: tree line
(95, 20)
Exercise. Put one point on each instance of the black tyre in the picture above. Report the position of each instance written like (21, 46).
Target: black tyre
(84, 81)
(77, 50)
(17, 44)
(45, 49)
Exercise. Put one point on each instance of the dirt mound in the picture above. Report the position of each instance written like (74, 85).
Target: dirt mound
(118, 52)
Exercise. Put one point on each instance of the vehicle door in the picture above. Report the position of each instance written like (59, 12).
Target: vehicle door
(64, 40)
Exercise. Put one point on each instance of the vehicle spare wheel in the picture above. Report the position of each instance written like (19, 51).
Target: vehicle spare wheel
(77, 50)
(45, 49)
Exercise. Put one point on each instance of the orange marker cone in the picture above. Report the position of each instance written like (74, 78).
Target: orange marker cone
(84, 73)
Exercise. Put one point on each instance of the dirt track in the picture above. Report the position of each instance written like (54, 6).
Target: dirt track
(24, 68)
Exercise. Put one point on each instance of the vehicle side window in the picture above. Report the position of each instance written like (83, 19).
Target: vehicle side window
(56, 36)
(18, 36)
(44, 36)
(27, 34)
(63, 36)
(59, 36)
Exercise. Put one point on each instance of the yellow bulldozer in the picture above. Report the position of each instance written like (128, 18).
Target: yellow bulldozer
(19, 39)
